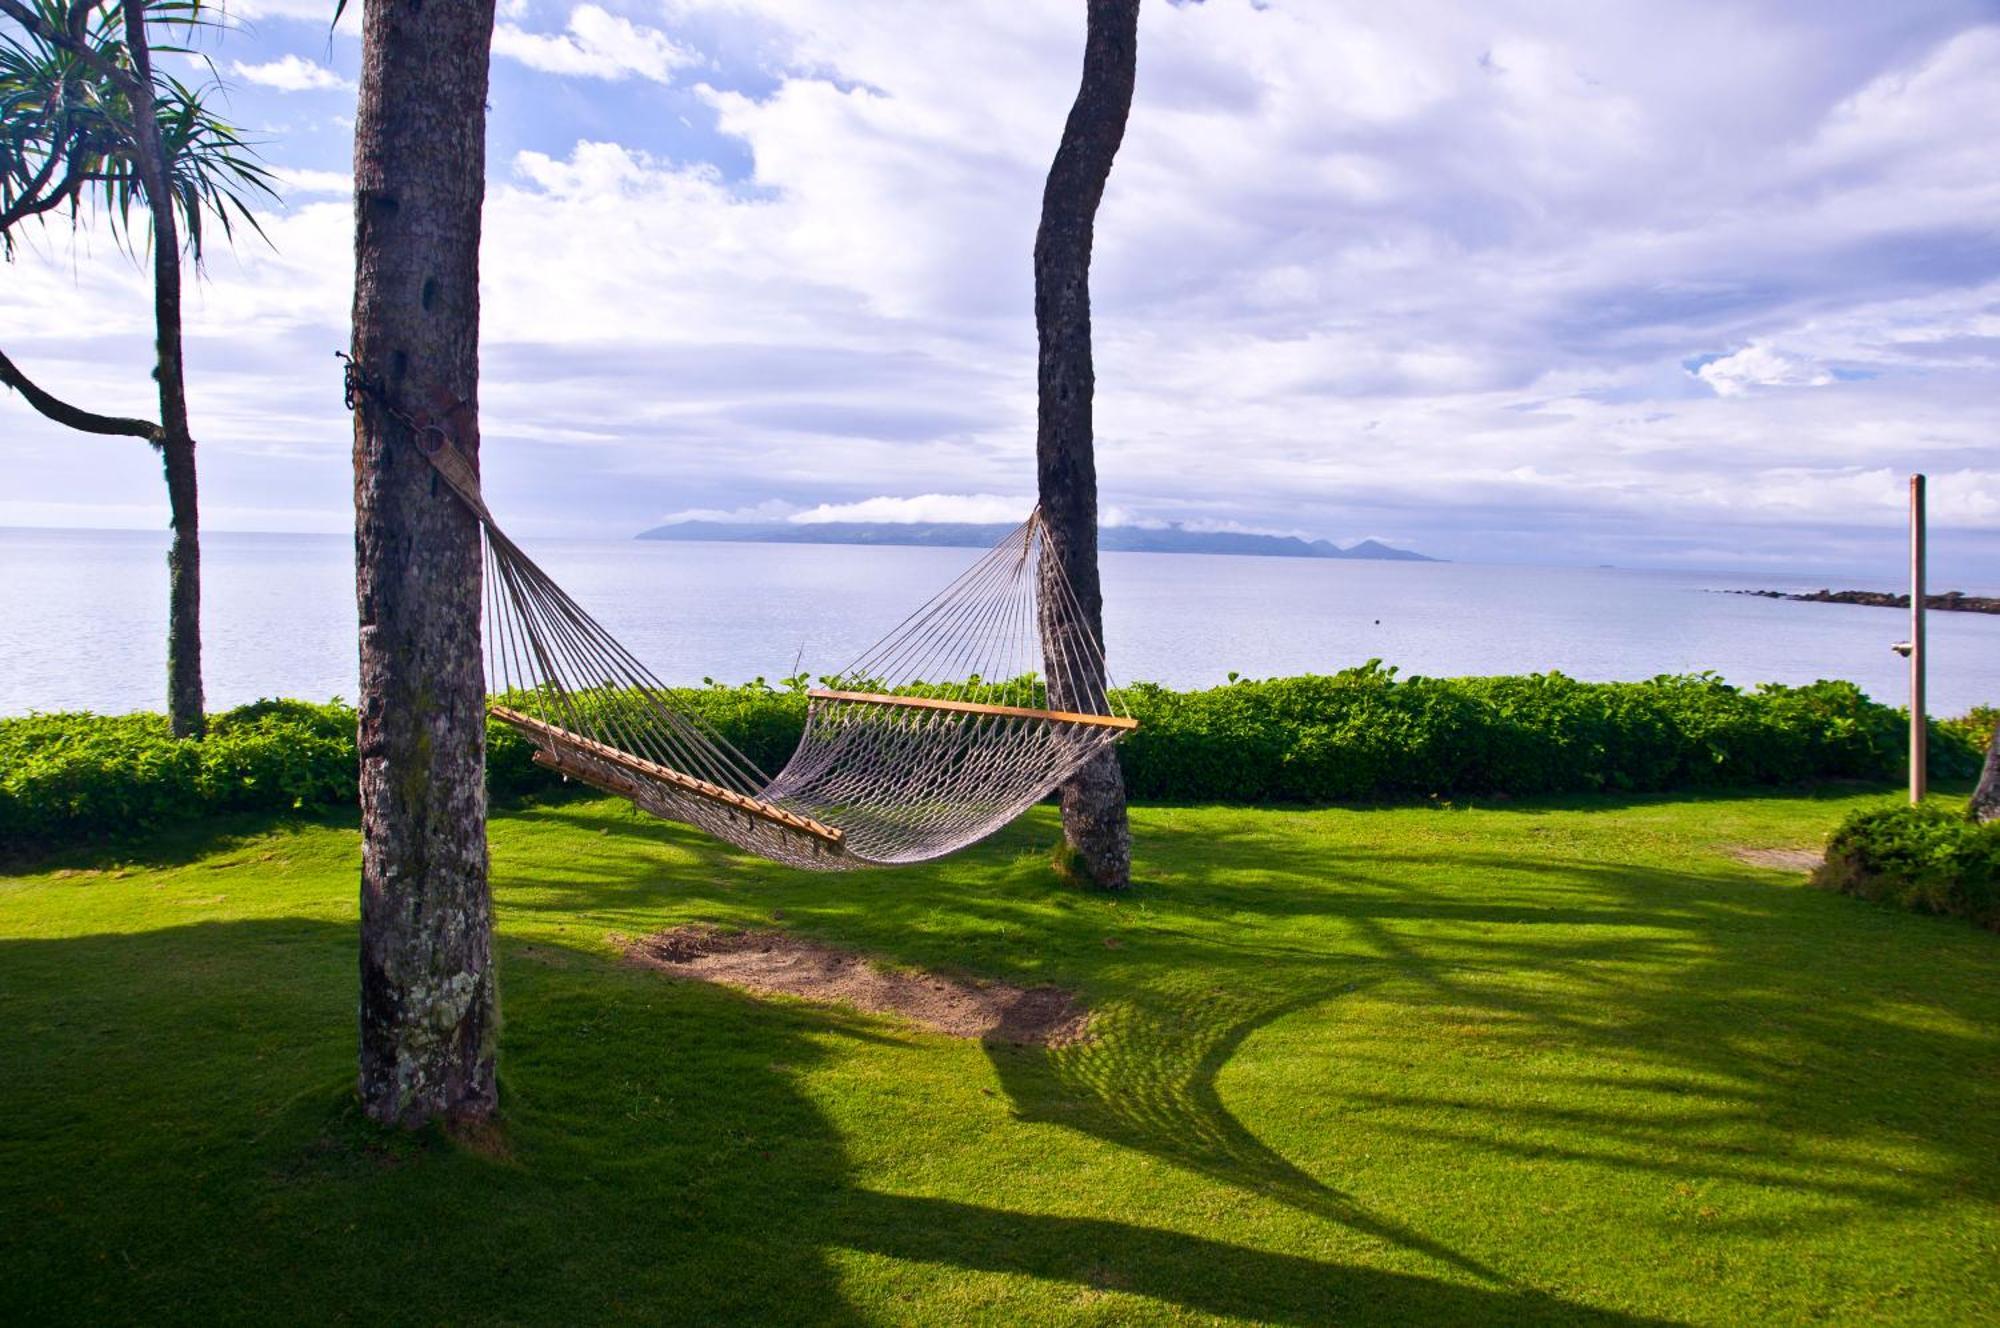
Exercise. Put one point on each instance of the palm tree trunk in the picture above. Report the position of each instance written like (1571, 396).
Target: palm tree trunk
(1986, 798)
(1093, 802)
(184, 695)
(429, 1003)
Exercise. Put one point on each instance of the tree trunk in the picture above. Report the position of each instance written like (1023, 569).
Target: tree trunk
(1093, 802)
(185, 705)
(429, 1004)
(184, 697)
(1986, 798)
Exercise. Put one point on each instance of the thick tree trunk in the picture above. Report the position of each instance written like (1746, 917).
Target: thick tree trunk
(1093, 802)
(1986, 798)
(184, 697)
(429, 1004)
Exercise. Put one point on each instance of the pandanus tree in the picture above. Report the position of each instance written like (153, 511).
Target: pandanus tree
(89, 127)
(1093, 801)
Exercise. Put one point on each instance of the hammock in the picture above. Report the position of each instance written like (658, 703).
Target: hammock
(892, 769)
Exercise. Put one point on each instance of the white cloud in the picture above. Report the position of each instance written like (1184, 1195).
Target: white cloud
(967, 508)
(972, 508)
(292, 73)
(770, 510)
(1431, 272)
(318, 12)
(597, 44)
(1941, 101)
(1760, 366)
(296, 182)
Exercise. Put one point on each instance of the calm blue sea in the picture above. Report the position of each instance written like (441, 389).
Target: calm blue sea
(82, 617)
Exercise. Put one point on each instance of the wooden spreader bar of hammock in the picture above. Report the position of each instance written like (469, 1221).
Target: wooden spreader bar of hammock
(972, 708)
(609, 781)
(558, 743)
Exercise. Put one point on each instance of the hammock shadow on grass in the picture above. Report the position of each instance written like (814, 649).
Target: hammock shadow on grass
(1734, 1030)
(1654, 969)
(1150, 1084)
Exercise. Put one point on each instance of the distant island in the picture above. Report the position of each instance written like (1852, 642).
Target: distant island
(966, 535)
(1951, 601)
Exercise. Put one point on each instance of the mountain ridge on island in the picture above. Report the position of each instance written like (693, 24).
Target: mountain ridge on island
(981, 535)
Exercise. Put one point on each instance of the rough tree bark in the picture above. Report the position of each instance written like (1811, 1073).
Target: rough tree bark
(1093, 802)
(429, 1005)
(184, 696)
(1986, 798)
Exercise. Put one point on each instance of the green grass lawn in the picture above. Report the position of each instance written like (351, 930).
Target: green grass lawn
(1533, 1063)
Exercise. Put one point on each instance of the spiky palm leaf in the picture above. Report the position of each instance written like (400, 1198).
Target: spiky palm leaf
(59, 124)
(66, 129)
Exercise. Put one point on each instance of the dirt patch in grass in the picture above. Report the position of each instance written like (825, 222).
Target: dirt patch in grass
(1784, 859)
(776, 962)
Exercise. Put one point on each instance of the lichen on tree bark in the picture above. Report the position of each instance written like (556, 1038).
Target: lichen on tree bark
(1986, 798)
(429, 1004)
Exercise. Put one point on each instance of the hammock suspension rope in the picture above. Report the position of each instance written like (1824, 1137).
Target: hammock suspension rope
(970, 711)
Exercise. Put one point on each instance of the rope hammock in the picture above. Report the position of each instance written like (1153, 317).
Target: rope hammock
(894, 767)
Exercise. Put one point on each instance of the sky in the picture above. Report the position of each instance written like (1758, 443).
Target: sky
(1690, 285)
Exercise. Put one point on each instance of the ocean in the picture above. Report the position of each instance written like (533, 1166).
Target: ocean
(83, 614)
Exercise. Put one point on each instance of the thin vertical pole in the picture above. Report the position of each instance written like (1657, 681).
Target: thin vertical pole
(1919, 726)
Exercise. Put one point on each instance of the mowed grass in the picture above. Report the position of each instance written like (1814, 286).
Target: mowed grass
(1533, 1063)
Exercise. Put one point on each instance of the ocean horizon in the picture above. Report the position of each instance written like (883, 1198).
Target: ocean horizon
(82, 617)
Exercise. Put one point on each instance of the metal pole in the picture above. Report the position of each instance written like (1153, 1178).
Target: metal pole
(1919, 727)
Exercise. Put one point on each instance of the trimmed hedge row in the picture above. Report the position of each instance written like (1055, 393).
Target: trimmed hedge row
(1928, 859)
(1364, 733)
(68, 777)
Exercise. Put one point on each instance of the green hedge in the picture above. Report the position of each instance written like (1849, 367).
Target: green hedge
(1929, 859)
(1364, 733)
(1975, 725)
(67, 777)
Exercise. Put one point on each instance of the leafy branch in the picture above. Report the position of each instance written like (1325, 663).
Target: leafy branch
(78, 99)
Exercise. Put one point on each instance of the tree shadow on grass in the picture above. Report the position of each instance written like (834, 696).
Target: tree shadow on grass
(1742, 1031)
(1739, 1031)
(1194, 1273)
(1620, 800)
(1718, 1028)
(177, 1144)
(179, 845)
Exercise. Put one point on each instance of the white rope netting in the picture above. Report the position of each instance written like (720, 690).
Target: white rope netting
(935, 738)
